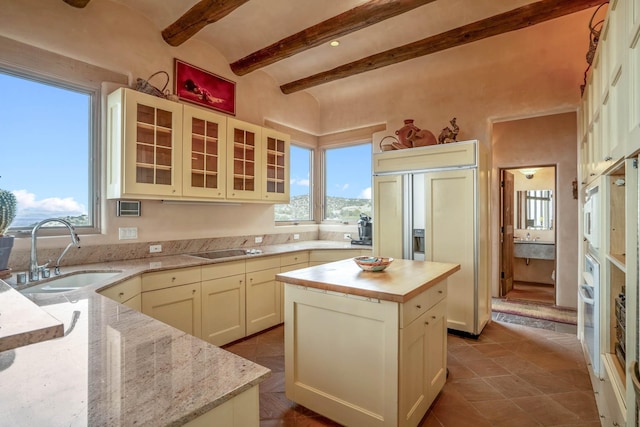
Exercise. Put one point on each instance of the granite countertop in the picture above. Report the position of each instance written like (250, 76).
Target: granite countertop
(115, 365)
(399, 282)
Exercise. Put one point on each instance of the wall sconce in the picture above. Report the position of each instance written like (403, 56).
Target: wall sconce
(574, 186)
(528, 173)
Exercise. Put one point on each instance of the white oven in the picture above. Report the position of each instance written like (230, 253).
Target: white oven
(588, 311)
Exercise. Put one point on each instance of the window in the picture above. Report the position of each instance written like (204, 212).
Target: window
(48, 140)
(347, 175)
(299, 207)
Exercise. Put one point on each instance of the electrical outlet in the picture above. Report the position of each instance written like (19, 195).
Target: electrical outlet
(154, 249)
(258, 239)
(347, 236)
(155, 264)
(127, 233)
(296, 237)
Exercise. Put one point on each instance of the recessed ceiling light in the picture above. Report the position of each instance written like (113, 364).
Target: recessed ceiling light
(334, 43)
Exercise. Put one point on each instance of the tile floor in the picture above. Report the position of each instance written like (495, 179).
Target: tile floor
(512, 375)
(539, 293)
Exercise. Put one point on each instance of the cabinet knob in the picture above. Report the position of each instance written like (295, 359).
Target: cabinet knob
(173, 279)
(440, 291)
(193, 291)
(426, 323)
(121, 294)
(608, 159)
(418, 306)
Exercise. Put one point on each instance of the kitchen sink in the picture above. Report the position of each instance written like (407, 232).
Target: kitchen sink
(69, 282)
(226, 253)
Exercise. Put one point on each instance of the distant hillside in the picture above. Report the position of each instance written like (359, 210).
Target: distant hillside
(338, 208)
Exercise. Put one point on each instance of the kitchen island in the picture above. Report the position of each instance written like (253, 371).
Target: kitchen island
(366, 348)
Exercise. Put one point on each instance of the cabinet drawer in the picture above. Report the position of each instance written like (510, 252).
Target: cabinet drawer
(294, 258)
(332, 255)
(167, 279)
(225, 269)
(262, 276)
(263, 263)
(125, 290)
(418, 305)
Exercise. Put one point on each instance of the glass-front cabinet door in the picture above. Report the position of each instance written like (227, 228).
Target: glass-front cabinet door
(204, 153)
(244, 158)
(275, 170)
(152, 133)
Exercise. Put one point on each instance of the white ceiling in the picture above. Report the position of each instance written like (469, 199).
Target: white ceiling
(259, 23)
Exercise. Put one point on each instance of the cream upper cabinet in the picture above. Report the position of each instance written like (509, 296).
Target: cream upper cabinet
(160, 149)
(144, 150)
(275, 166)
(204, 153)
(244, 157)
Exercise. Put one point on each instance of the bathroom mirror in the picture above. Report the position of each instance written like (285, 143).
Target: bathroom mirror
(534, 210)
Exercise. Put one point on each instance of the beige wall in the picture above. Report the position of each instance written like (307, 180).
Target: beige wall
(112, 36)
(541, 141)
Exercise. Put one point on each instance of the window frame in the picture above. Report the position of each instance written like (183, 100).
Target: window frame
(323, 178)
(94, 157)
(312, 196)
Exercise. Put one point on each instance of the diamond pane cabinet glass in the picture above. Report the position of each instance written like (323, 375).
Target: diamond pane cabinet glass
(204, 151)
(275, 174)
(244, 157)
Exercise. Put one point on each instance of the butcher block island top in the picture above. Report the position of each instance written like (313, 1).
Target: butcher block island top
(399, 282)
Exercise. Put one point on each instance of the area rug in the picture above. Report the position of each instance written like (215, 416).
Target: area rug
(536, 311)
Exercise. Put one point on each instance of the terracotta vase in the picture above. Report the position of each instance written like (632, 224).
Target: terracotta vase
(406, 133)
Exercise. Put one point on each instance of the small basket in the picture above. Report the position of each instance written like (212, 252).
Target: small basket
(144, 86)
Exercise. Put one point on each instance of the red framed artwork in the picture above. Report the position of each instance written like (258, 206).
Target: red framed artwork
(201, 87)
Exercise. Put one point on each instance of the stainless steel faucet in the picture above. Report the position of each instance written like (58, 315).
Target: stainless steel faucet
(34, 268)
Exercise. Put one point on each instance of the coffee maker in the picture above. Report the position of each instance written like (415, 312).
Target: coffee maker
(364, 231)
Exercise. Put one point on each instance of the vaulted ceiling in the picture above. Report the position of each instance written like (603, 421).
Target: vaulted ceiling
(289, 39)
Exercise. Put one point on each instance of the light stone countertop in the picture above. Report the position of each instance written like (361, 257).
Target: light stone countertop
(117, 366)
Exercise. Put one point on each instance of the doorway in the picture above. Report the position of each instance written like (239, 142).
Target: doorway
(528, 234)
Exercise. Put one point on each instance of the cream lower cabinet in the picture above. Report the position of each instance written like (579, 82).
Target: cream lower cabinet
(173, 297)
(239, 411)
(423, 363)
(386, 367)
(290, 262)
(263, 294)
(223, 302)
(127, 293)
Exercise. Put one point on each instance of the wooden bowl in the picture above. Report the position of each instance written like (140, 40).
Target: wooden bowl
(373, 263)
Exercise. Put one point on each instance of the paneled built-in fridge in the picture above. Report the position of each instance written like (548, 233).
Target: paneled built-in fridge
(432, 203)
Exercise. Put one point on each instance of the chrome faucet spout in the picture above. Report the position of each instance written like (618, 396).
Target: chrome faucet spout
(34, 268)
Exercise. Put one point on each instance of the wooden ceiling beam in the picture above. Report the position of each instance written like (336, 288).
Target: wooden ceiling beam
(512, 20)
(77, 3)
(352, 20)
(199, 16)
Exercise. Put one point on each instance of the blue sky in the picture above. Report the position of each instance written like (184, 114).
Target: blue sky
(44, 159)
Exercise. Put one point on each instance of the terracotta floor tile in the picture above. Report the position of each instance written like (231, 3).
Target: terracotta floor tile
(512, 386)
(486, 368)
(546, 410)
(513, 375)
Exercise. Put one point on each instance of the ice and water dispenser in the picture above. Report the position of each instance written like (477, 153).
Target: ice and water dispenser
(418, 244)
